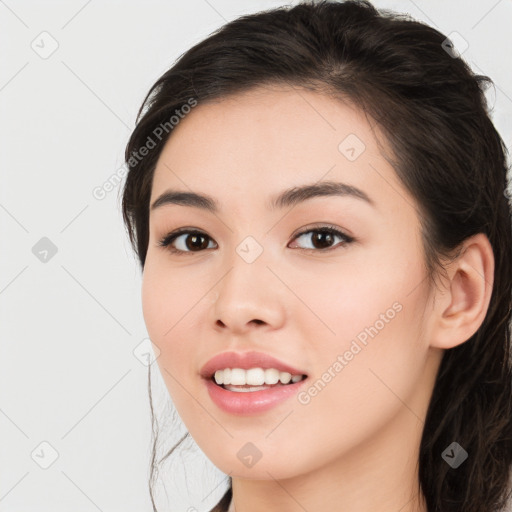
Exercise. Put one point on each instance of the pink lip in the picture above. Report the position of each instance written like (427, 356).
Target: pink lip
(252, 402)
(245, 361)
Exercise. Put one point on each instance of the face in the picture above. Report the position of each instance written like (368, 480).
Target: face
(333, 285)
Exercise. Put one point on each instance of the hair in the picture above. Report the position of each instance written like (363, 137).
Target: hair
(445, 151)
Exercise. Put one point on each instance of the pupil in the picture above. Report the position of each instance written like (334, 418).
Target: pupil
(322, 235)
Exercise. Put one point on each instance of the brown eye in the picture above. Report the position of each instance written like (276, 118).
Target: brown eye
(323, 238)
(185, 241)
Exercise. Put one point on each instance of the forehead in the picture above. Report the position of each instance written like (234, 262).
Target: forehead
(259, 142)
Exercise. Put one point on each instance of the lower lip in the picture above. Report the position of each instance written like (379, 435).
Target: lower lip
(251, 402)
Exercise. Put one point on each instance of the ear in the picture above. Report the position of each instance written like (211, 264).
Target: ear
(461, 303)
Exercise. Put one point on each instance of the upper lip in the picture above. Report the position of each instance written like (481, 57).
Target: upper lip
(245, 360)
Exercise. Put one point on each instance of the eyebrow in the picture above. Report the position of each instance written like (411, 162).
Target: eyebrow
(289, 197)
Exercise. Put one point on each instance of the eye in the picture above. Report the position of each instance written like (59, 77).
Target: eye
(191, 241)
(186, 240)
(323, 238)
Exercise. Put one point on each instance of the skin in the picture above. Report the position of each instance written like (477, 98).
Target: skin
(355, 445)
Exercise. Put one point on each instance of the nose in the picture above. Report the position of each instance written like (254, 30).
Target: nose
(249, 296)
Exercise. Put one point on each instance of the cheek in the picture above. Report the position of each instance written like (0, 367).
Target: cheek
(370, 294)
(359, 386)
(168, 295)
(155, 297)
(173, 307)
(164, 300)
(375, 314)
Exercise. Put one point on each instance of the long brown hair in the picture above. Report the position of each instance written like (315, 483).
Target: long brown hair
(446, 152)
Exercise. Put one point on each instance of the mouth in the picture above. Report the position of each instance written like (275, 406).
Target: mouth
(251, 382)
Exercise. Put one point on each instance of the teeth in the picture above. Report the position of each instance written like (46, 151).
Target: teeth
(254, 377)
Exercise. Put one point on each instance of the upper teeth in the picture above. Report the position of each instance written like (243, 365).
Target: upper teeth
(254, 376)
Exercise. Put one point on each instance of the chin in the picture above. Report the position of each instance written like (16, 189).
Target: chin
(270, 469)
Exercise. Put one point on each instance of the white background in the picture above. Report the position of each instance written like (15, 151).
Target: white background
(69, 326)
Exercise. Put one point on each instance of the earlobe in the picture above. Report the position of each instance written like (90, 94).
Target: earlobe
(461, 306)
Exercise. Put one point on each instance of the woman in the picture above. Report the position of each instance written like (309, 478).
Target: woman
(317, 197)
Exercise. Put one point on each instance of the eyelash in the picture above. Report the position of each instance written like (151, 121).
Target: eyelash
(169, 238)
